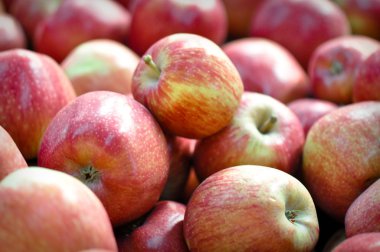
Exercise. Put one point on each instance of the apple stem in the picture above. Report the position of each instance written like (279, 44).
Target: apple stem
(149, 61)
(89, 174)
(268, 124)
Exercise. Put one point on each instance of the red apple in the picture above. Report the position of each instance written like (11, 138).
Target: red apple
(10, 156)
(267, 67)
(309, 110)
(251, 208)
(263, 131)
(299, 25)
(367, 83)
(101, 64)
(11, 33)
(365, 242)
(77, 21)
(160, 231)
(341, 156)
(363, 215)
(47, 210)
(153, 20)
(334, 65)
(33, 89)
(189, 84)
(115, 146)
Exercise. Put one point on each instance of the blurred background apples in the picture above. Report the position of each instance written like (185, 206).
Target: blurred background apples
(12, 35)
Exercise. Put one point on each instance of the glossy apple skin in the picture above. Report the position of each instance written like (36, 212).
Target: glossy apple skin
(267, 67)
(205, 18)
(310, 21)
(363, 215)
(74, 23)
(365, 242)
(101, 64)
(116, 136)
(11, 158)
(367, 83)
(241, 142)
(334, 65)
(11, 34)
(33, 89)
(47, 210)
(197, 90)
(161, 231)
(341, 156)
(242, 208)
(309, 110)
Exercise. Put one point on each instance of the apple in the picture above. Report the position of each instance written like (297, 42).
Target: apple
(366, 86)
(334, 65)
(251, 208)
(11, 33)
(189, 84)
(47, 210)
(101, 64)
(309, 110)
(263, 131)
(33, 89)
(341, 156)
(299, 25)
(267, 67)
(115, 146)
(160, 231)
(363, 215)
(365, 242)
(77, 21)
(10, 156)
(153, 20)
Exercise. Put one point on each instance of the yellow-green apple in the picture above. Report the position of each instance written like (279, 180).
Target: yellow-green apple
(251, 208)
(46, 210)
(263, 131)
(309, 110)
(33, 89)
(11, 33)
(10, 156)
(162, 230)
(363, 215)
(334, 65)
(101, 64)
(267, 67)
(367, 83)
(299, 25)
(189, 84)
(341, 156)
(77, 21)
(153, 20)
(115, 146)
(364, 242)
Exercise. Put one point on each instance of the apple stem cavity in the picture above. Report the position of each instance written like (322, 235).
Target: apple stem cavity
(149, 61)
(268, 124)
(336, 68)
(89, 174)
(291, 215)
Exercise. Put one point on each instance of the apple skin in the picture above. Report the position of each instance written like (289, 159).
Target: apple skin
(341, 156)
(365, 242)
(33, 89)
(114, 145)
(47, 210)
(363, 215)
(309, 110)
(242, 142)
(192, 90)
(11, 33)
(367, 83)
(311, 22)
(11, 158)
(334, 65)
(74, 23)
(204, 18)
(267, 67)
(101, 64)
(246, 208)
(162, 230)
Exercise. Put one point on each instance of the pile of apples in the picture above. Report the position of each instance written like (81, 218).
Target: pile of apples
(189, 125)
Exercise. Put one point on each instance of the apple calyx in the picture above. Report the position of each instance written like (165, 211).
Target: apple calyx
(268, 124)
(149, 61)
(336, 68)
(89, 174)
(291, 215)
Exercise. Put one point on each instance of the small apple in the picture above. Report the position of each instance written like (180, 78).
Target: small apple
(115, 146)
(341, 156)
(46, 210)
(251, 208)
(11, 33)
(189, 84)
(365, 242)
